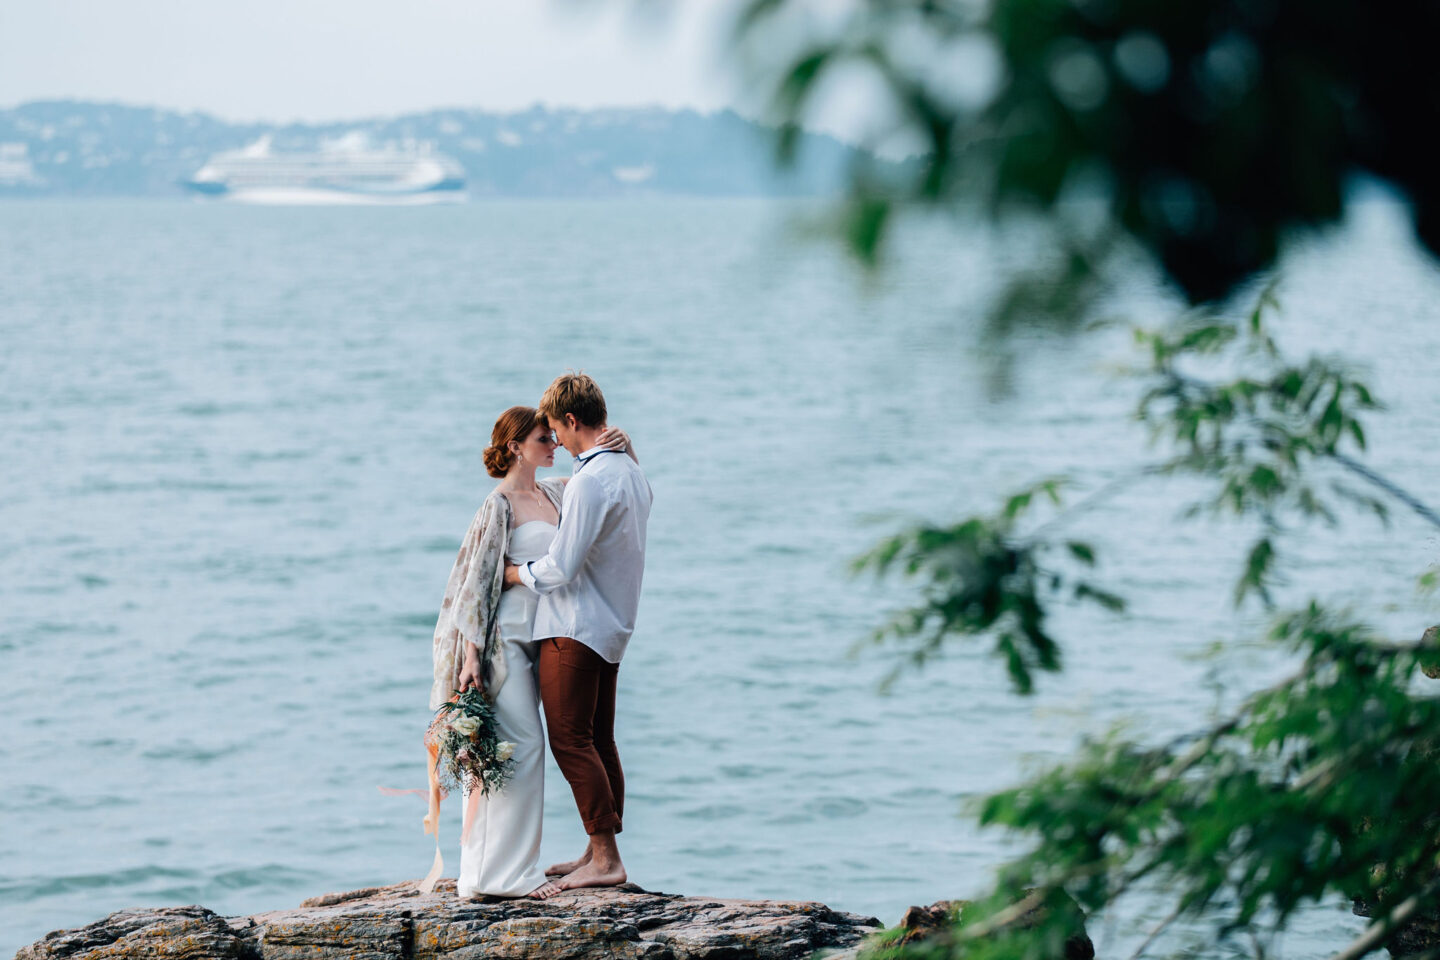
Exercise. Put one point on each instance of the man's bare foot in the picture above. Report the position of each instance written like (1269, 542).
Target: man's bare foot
(545, 891)
(565, 869)
(594, 874)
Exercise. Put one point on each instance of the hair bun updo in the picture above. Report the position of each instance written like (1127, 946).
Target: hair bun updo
(498, 461)
(515, 425)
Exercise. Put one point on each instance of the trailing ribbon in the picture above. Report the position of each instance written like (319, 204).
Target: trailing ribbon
(432, 819)
(472, 805)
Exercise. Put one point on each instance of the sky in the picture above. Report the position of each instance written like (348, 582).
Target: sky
(279, 60)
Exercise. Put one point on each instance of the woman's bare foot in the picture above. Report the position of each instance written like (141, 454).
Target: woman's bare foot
(545, 891)
(565, 869)
(594, 874)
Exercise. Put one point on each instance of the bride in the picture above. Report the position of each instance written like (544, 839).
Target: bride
(482, 640)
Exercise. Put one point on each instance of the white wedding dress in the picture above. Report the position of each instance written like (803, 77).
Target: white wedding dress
(502, 855)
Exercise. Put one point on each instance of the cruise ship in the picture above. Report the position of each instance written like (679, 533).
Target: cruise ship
(343, 171)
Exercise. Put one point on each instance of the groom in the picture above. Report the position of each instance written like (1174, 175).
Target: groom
(589, 587)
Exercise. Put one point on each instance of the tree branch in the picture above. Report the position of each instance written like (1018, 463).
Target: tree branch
(1365, 473)
(1159, 928)
(1004, 917)
(1345, 460)
(1376, 933)
(1092, 500)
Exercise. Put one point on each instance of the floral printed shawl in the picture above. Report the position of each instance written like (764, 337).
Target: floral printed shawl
(472, 597)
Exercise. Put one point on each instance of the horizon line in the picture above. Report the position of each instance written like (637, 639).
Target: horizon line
(540, 105)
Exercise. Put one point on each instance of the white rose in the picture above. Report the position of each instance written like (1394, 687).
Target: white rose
(504, 750)
(465, 725)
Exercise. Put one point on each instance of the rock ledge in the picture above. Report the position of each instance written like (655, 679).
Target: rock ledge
(399, 923)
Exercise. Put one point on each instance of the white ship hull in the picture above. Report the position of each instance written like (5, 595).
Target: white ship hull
(345, 173)
(312, 197)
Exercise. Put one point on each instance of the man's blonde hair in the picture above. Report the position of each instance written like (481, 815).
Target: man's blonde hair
(574, 393)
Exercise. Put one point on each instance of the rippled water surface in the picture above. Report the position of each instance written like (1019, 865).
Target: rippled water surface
(240, 447)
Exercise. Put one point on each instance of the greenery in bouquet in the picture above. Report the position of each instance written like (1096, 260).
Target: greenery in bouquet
(469, 751)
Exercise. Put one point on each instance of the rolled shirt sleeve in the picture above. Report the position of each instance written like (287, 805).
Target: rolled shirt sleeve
(584, 507)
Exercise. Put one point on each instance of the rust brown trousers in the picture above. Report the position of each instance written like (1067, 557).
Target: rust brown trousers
(577, 687)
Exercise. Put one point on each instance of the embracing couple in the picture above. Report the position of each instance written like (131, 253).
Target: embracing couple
(538, 609)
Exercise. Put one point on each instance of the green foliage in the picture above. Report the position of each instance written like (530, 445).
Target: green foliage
(1257, 435)
(1318, 786)
(1429, 581)
(1298, 796)
(979, 579)
(1209, 128)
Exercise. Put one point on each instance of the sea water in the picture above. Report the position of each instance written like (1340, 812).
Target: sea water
(238, 448)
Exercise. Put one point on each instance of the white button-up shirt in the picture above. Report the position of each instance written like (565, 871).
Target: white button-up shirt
(589, 582)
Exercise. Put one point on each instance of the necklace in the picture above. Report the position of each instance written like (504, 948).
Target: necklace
(536, 495)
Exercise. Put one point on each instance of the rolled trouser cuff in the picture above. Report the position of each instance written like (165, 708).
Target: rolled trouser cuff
(607, 821)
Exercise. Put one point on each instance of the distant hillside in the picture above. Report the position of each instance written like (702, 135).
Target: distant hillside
(76, 148)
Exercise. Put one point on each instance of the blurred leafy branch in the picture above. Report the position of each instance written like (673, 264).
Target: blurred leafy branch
(981, 579)
(1206, 129)
(1256, 435)
(1198, 133)
(1318, 785)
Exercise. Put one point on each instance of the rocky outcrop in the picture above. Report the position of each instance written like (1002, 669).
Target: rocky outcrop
(1430, 663)
(934, 924)
(400, 923)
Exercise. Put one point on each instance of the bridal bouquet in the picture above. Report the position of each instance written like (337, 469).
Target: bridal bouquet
(465, 745)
